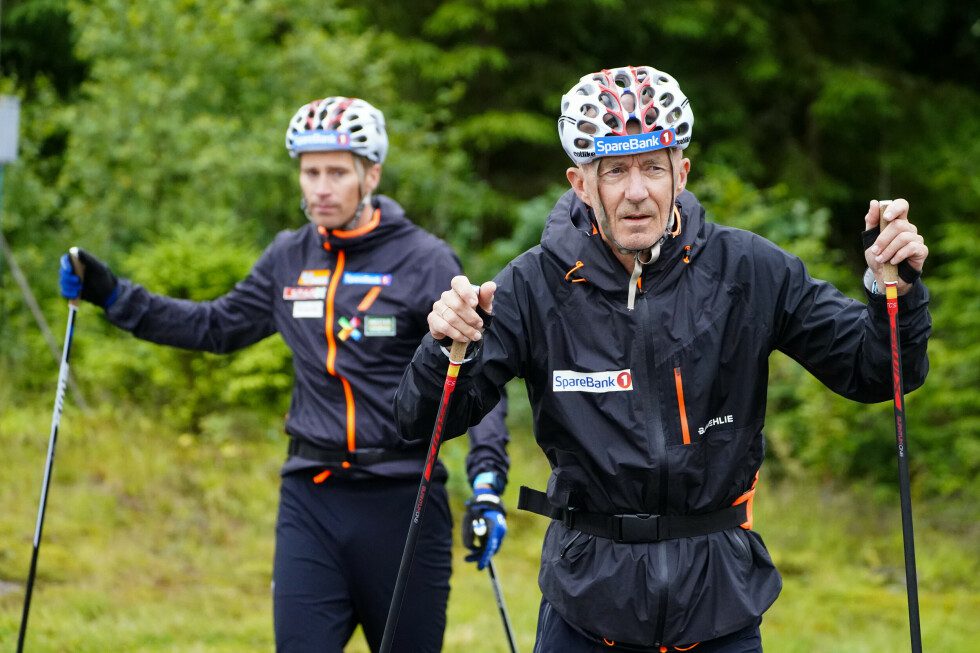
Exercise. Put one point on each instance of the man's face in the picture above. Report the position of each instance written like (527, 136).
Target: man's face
(636, 192)
(331, 186)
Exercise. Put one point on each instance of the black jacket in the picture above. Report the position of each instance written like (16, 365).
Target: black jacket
(352, 307)
(686, 436)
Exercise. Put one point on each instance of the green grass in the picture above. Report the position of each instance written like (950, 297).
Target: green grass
(161, 541)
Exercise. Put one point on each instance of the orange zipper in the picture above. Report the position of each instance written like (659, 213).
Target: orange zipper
(332, 352)
(685, 432)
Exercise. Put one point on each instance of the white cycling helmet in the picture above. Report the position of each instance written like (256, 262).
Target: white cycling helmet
(595, 113)
(338, 123)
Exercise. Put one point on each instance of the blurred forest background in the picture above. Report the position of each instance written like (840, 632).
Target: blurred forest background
(151, 134)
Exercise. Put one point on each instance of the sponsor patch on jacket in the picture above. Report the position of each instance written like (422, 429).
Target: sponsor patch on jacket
(294, 293)
(314, 278)
(379, 325)
(634, 144)
(307, 308)
(366, 279)
(349, 328)
(569, 381)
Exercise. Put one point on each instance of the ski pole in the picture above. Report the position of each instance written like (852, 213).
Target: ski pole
(499, 595)
(456, 355)
(890, 277)
(59, 403)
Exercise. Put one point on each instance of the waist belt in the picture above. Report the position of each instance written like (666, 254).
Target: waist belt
(310, 451)
(635, 527)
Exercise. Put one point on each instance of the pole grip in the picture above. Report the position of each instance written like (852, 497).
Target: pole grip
(76, 262)
(78, 267)
(457, 352)
(889, 272)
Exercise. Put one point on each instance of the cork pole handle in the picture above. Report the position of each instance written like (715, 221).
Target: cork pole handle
(889, 272)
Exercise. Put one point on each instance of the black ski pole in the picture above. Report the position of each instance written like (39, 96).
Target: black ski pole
(456, 355)
(499, 595)
(59, 403)
(890, 277)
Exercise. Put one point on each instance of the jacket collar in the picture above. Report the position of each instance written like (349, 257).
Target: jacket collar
(387, 220)
(571, 237)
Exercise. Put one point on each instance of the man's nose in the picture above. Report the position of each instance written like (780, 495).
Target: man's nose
(323, 186)
(636, 190)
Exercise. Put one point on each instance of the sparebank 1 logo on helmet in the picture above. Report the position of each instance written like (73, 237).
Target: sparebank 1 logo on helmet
(321, 139)
(571, 381)
(635, 144)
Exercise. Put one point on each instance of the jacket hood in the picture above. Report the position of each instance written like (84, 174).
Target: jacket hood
(387, 221)
(570, 237)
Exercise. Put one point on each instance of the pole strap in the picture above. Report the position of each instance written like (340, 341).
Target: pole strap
(908, 273)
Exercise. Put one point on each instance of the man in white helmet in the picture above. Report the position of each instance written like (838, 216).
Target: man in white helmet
(643, 333)
(349, 293)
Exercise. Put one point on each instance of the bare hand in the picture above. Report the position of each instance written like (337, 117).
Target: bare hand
(898, 241)
(454, 313)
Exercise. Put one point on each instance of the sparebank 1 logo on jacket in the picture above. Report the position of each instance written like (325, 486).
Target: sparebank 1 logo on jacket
(571, 381)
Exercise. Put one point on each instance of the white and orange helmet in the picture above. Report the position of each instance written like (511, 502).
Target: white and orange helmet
(595, 113)
(338, 123)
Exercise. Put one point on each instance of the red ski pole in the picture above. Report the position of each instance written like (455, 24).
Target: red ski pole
(456, 355)
(890, 277)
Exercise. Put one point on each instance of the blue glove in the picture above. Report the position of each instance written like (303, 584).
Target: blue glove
(99, 287)
(71, 283)
(485, 522)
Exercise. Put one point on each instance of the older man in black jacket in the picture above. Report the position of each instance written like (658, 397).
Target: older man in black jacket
(643, 333)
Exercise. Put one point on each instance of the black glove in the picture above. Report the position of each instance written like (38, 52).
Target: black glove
(97, 285)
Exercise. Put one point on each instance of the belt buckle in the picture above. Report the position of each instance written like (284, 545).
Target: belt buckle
(642, 527)
(364, 456)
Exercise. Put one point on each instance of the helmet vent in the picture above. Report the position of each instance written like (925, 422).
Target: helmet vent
(608, 100)
(613, 122)
(586, 127)
(673, 116)
(666, 100)
(583, 143)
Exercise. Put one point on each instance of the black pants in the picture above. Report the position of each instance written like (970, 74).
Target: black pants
(556, 636)
(338, 548)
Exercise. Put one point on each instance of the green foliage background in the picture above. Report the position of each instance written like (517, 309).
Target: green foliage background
(152, 135)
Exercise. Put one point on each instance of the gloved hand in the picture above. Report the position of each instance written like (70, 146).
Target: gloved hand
(100, 285)
(485, 522)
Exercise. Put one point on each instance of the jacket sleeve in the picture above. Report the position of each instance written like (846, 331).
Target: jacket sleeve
(235, 320)
(842, 342)
(488, 444)
(497, 358)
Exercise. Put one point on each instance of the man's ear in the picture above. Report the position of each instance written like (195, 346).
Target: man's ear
(576, 178)
(372, 177)
(682, 171)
